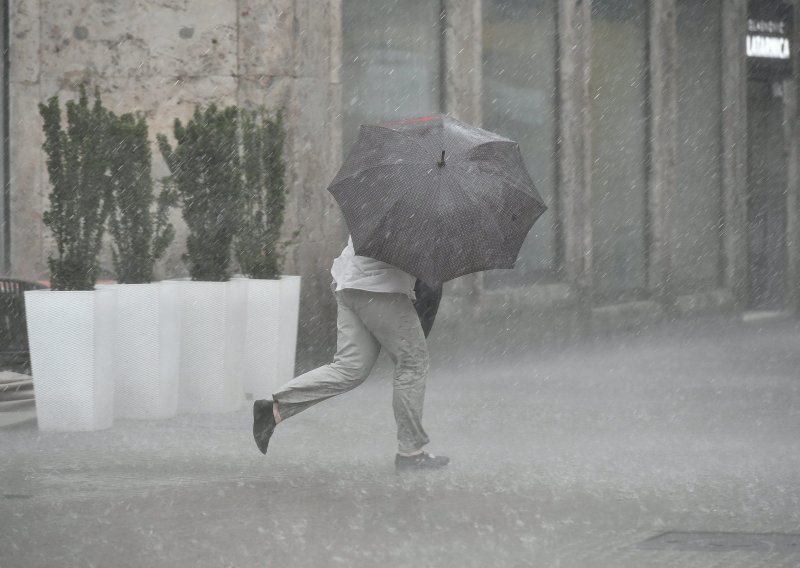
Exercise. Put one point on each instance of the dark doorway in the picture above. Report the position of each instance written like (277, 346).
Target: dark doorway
(766, 196)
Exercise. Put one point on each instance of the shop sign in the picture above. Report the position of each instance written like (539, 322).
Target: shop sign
(768, 42)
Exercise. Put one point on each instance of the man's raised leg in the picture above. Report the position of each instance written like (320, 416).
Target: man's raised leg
(356, 353)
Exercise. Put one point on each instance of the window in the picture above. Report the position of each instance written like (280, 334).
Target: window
(391, 55)
(519, 101)
(619, 148)
(697, 207)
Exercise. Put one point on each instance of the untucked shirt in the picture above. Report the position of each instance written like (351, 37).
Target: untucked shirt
(363, 273)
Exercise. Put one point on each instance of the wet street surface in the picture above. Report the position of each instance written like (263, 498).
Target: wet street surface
(579, 456)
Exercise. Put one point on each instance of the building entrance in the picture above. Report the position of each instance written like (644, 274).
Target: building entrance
(766, 196)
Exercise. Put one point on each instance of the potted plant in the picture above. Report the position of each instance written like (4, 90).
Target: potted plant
(147, 331)
(70, 326)
(205, 170)
(272, 299)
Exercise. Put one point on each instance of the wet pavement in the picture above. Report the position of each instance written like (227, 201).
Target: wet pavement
(561, 457)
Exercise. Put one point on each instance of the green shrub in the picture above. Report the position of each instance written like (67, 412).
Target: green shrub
(141, 235)
(77, 164)
(258, 247)
(205, 170)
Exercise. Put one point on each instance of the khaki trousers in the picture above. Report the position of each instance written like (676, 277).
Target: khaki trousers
(366, 322)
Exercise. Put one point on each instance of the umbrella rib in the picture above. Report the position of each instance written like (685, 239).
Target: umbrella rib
(361, 171)
(400, 194)
(514, 187)
(495, 211)
(463, 156)
(406, 135)
(485, 206)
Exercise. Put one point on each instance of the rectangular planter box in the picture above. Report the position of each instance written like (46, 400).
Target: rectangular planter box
(147, 335)
(271, 337)
(212, 346)
(71, 344)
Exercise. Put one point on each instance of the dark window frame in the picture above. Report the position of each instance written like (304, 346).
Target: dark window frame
(639, 293)
(441, 65)
(721, 221)
(555, 274)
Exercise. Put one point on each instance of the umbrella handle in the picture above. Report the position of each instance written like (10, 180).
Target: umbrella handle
(441, 162)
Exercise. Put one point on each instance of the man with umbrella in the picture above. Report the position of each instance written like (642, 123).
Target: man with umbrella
(426, 200)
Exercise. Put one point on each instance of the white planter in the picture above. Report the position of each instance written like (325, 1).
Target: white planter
(71, 342)
(212, 346)
(271, 337)
(147, 335)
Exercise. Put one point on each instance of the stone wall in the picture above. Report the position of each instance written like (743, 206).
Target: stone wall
(163, 57)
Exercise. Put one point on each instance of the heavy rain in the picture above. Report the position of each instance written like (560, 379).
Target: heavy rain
(401, 283)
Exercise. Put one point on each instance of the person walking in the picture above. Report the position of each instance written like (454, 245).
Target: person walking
(376, 309)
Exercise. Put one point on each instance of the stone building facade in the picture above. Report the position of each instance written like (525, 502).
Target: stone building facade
(671, 172)
(163, 57)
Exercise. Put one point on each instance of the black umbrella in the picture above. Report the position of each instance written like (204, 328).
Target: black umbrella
(436, 197)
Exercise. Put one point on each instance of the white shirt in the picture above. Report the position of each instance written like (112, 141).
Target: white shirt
(363, 273)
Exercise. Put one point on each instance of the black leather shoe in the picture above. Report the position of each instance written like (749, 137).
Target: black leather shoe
(263, 423)
(420, 462)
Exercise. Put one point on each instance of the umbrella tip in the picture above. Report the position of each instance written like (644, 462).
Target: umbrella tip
(440, 163)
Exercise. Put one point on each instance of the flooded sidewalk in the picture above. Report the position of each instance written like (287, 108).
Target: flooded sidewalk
(675, 448)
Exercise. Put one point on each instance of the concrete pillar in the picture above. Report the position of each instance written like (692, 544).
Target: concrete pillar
(574, 157)
(314, 154)
(663, 145)
(462, 48)
(27, 192)
(462, 52)
(734, 149)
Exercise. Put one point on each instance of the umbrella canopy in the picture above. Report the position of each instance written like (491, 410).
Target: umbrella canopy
(436, 197)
